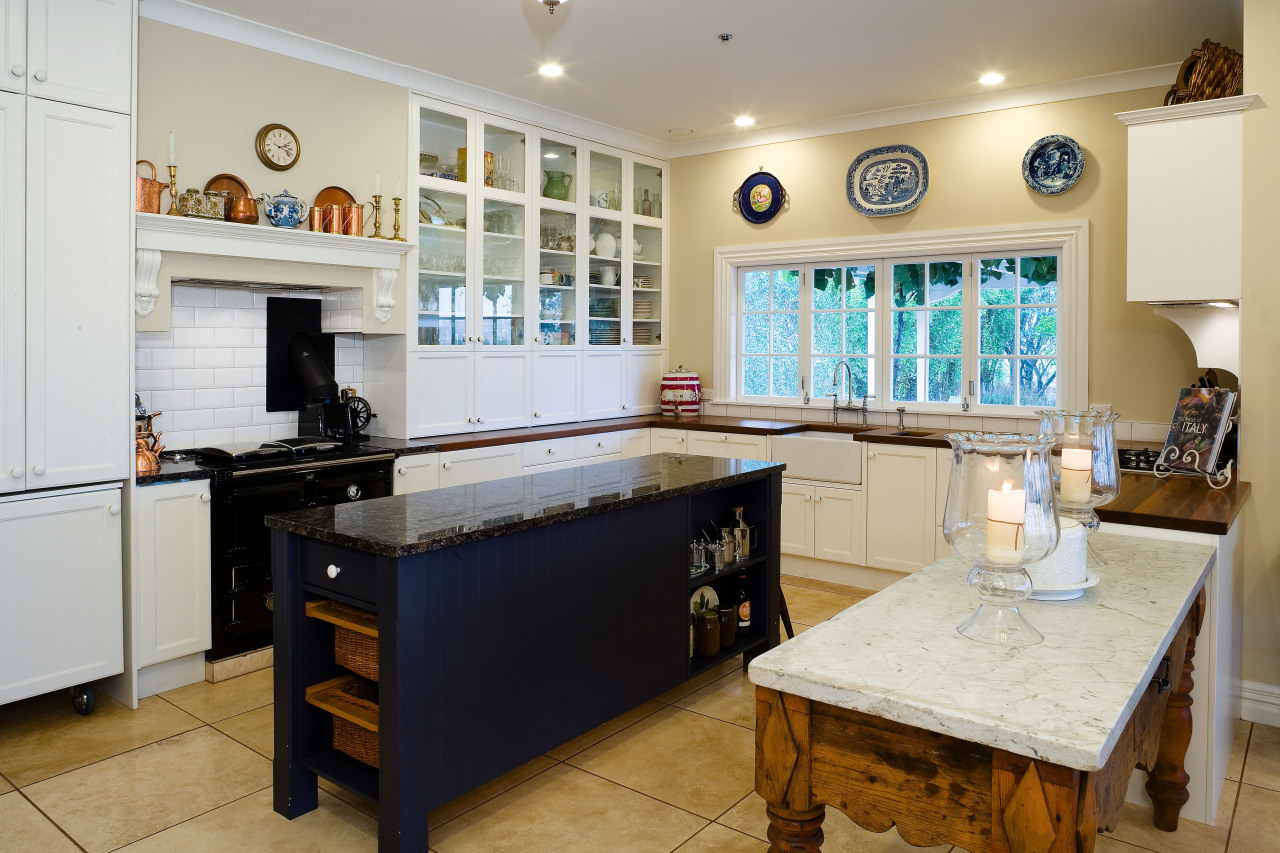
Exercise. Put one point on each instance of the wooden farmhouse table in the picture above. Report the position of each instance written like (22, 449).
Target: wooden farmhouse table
(886, 713)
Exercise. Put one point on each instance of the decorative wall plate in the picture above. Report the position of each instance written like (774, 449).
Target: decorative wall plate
(759, 198)
(1053, 164)
(887, 181)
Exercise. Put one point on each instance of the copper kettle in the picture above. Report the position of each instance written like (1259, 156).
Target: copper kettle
(147, 446)
(242, 210)
(146, 191)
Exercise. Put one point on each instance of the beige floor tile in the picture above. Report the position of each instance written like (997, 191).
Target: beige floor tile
(1235, 765)
(1136, 828)
(128, 797)
(24, 830)
(57, 739)
(5, 787)
(855, 592)
(812, 606)
(841, 833)
(701, 680)
(357, 802)
(33, 705)
(213, 702)
(255, 729)
(720, 839)
(685, 759)
(1107, 844)
(249, 825)
(798, 627)
(732, 698)
(568, 811)
(489, 790)
(1257, 824)
(599, 733)
(1262, 762)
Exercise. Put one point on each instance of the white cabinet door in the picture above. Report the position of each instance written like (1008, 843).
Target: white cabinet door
(440, 394)
(941, 486)
(602, 389)
(644, 382)
(635, 442)
(13, 60)
(80, 52)
(839, 525)
(13, 288)
(662, 440)
(797, 519)
(900, 506)
(79, 420)
(460, 467)
(728, 445)
(416, 472)
(171, 570)
(502, 389)
(557, 385)
(61, 615)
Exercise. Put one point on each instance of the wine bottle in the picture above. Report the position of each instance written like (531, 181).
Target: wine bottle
(744, 606)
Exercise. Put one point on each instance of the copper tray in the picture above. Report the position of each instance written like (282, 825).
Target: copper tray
(228, 183)
(335, 196)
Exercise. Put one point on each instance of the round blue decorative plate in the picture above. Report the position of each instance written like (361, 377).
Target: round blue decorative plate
(759, 198)
(887, 181)
(1053, 164)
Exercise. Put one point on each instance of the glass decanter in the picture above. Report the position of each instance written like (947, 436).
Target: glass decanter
(1086, 466)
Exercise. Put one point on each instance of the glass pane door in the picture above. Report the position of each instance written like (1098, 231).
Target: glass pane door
(926, 331)
(843, 318)
(442, 267)
(504, 158)
(647, 191)
(604, 274)
(606, 181)
(559, 178)
(502, 261)
(442, 145)
(557, 273)
(646, 286)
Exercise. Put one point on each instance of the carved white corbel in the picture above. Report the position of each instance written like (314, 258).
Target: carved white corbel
(146, 287)
(384, 294)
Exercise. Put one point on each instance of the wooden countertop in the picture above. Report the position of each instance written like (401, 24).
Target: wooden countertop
(1175, 503)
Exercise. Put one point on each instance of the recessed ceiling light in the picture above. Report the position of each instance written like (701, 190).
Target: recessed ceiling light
(551, 155)
(744, 121)
(991, 78)
(680, 131)
(550, 70)
(552, 4)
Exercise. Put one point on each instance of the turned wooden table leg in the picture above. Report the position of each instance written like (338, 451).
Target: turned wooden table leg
(1167, 782)
(795, 832)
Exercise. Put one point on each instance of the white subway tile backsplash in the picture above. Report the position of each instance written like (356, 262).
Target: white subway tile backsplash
(713, 409)
(284, 430)
(214, 357)
(246, 318)
(144, 397)
(262, 416)
(1123, 430)
(153, 380)
(152, 340)
(173, 358)
(259, 376)
(192, 297)
(343, 374)
(212, 318)
(182, 317)
(229, 336)
(177, 439)
(233, 417)
(191, 337)
(1150, 432)
(255, 434)
(348, 356)
(142, 358)
(260, 338)
(1000, 424)
(214, 398)
(169, 401)
(249, 356)
(233, 297)
(765, 412)
(260, 297)
(357, 373)
(194, 378)
(933, 422)
(249, 396)
(193, 419)
(231, 377)
(206, 437)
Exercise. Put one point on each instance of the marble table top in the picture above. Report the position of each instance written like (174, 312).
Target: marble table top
(897, 655)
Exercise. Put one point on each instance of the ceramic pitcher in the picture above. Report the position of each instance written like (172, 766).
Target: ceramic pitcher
(557, 185)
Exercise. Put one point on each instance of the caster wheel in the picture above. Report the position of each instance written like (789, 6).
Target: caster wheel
(83, 699)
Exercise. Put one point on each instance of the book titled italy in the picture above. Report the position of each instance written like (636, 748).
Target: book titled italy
(1200, 423)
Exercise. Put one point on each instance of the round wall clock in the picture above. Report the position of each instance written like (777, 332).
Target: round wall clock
(1053, 164)
(887, 181)
(278, 147)
(759, 198)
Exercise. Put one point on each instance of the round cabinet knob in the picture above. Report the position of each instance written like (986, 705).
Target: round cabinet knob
(38, 470)
(15, 473)
(17, 71)
(808, 497)
(479, 420)
(819, 498)
(471, 420)
(402, 471)
(114, 509)
(447, 465)
(624, 406)
(624, 340)
(679, 441)
(599, 444)
(537, 415)
(551, 451)
(205, 498)
(333, 571)
(871, 455)
(40, 76)
(724, 438)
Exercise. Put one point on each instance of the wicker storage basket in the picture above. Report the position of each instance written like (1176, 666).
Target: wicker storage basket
(351, 738)
(355, 651)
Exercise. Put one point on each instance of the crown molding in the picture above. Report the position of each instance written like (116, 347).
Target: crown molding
(1239, 103)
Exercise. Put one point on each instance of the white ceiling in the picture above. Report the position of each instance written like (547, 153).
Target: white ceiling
(647, 66)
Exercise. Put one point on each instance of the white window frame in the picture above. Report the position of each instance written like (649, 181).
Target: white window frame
(1069, 238)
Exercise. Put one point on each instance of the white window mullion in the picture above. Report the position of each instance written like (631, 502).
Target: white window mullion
(970, 323)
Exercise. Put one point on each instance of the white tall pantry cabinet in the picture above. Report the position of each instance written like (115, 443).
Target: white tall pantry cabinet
(65, 349)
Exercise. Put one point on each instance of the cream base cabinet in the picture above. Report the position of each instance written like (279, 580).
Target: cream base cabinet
(635, 442)
(644, 382)
(171, 570)
(797, 519)
(13, 294)
(663, 440)
(603, 394)
(941, 548)
(502, 390)
(728, 445)
(557, 385)
(901, 490)
(62, 614)
(476, 465)
(440, 394)
(416, 472)
(839, 525)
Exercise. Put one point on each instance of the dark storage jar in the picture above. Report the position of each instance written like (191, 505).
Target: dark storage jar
(728, 625)
(707, 634)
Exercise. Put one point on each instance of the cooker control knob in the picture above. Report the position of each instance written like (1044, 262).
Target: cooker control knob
(354, 492)
(333, 571)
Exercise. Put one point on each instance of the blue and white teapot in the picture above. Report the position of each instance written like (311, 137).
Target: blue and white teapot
(284, 211)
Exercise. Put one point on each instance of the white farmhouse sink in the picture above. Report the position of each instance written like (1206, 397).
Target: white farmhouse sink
(816, 454)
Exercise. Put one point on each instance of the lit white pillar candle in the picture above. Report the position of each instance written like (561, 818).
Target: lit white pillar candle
(1006, 513)
(172, 162)
(377, 183)
(397, 195)
(1077, 475)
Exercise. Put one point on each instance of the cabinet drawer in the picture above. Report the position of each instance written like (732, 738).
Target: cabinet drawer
(355, 577)
(728, 445)
(549, 450)
(601, 444)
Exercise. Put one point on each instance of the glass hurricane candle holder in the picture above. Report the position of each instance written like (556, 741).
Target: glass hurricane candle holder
(1086, 466)
(1000, 514)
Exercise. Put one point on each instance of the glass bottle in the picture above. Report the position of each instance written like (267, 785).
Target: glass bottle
(744, 606)
(646, 206)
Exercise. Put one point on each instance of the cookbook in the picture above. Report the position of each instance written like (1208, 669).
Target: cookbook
(1201, 420)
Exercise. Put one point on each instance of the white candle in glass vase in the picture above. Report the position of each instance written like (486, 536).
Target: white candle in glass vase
(1077, 475)
(1006, 513)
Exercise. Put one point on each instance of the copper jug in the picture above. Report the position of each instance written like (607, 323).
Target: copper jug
(242, 210)
(333, 218)
(353, 218)
(146, 191)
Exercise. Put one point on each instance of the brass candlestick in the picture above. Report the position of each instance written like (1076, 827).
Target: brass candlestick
(173, 191)
(377, 218)
(396, 234)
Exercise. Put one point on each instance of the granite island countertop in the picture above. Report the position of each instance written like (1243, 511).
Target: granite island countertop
(404, 525)
(897, 655)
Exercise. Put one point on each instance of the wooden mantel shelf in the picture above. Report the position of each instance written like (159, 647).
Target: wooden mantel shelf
(158, 234)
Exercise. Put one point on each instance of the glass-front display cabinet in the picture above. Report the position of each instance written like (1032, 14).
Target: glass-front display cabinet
(557, 278)
(502, 296)
(443, 248)
(558, 162)
(646, 286)
(604, 280)
(646, 195)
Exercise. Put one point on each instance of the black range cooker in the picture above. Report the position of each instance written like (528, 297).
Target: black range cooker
(251, 481)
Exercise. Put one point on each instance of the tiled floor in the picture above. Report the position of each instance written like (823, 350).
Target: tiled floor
(189, 771)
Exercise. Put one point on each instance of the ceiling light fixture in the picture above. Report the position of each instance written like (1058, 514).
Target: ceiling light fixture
(991, 78)
(680, 131)
(744, 121)
(550, 69)
(552, 4)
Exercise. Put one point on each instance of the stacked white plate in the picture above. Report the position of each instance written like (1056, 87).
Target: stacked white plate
(605, 336)
(642, 310)
(643, 336)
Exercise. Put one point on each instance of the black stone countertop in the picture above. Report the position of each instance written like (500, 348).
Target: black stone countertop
(403, 446)
(171, 471)
(442, 518)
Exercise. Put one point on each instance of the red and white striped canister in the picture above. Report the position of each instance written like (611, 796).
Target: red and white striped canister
(681, 392)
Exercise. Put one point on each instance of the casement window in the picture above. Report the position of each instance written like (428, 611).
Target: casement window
(999, 330)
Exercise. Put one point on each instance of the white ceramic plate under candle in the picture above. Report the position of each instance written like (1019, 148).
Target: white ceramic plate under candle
(1064, 593)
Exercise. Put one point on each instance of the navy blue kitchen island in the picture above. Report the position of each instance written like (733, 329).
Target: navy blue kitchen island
(510, 617)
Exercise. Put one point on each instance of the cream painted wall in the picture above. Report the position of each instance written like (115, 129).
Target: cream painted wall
(215, 95)
(1137, 360)
(1260, 345)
